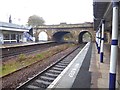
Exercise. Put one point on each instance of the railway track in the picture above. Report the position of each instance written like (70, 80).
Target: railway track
(11, 52)
(43, 79)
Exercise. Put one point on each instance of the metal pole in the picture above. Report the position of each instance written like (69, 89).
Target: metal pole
(102, 42)
(114, 47)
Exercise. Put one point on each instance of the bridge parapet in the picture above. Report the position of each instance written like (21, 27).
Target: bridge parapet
(83, 25)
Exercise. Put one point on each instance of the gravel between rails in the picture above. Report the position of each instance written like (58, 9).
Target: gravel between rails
(15, 79)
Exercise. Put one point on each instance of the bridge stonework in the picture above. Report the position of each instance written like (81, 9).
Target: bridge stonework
(58, 31)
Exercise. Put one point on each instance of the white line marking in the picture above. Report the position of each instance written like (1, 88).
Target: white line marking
(73, 71)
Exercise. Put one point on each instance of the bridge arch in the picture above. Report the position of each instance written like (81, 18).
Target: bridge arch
(88, 37)
(59, 36)
(43, 36)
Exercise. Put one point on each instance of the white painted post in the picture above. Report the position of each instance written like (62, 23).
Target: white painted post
(114, 47)
(99, 41)
(102, 42)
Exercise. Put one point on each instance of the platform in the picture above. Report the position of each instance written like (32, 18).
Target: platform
(85, 71)
(22, 44)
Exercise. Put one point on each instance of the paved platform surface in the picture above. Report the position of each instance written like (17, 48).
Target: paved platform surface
(92, 73)
(100, 71)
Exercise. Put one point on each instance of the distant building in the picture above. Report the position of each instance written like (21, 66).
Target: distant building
(13, 33)
(63, 23)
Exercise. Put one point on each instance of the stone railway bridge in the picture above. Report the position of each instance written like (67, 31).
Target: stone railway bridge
(57, 32)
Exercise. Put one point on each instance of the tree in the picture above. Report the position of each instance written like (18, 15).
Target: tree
(35, 21)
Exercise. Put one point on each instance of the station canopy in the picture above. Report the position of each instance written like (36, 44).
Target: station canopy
(99, 9)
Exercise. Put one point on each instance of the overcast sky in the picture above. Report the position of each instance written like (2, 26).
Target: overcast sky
(52, 11)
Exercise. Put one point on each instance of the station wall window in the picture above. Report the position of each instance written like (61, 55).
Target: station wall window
(6, 36)
(13, 37)
(20, 36)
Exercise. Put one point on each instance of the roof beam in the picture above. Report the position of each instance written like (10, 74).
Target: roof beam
(109, 9)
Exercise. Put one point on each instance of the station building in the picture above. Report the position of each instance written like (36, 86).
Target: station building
(13, 33)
